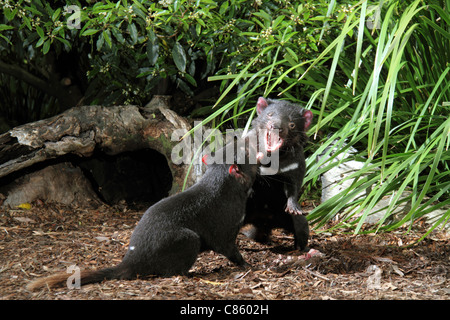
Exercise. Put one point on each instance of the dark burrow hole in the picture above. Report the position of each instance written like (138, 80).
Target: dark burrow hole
(139, 178)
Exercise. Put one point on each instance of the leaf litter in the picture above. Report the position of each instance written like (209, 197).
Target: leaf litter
(50, 237)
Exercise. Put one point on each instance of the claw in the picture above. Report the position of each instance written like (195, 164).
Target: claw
(295, 211)
(293, 208)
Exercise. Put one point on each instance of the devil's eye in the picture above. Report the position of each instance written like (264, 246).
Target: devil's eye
(291, 125)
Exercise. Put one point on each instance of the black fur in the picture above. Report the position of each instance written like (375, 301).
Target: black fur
(175, 230)
(172, 232)
(274, 202)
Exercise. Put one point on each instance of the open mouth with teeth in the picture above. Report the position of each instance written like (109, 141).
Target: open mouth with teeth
(272, 140)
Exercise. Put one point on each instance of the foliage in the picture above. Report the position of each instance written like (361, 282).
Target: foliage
(381, 86)
(375, 74)
(127, 50)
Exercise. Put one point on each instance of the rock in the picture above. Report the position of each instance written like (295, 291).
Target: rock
(334, 182)
(61, 183)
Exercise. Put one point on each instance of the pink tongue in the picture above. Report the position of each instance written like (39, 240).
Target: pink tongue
(272, 141)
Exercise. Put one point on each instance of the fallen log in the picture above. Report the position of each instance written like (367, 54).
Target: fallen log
(84, 130)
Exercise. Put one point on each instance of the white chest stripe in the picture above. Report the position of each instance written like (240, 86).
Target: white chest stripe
(271, 171)
(290, 167)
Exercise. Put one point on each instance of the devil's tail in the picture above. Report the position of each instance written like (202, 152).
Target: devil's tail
(86, 276)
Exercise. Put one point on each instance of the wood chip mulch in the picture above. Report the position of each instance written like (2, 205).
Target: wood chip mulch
(48, 238)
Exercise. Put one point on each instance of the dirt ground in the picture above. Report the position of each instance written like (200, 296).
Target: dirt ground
(49, 238)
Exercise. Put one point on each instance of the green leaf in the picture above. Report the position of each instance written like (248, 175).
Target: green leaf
(184, 87)
(40, 42)
(143, 72)
(152, 48)
(190, 79)
(292, 56)
(5, 27)
(107, 36)
(118, 35)
(64, 41)
(27, 22)
(100, 42)
(223, 8)
(341, 15)
(133, 32)
(40, 32)
(137, 4)
(277, 21)
(152, 53)
(10, 14)
(179, 57)
(6, 39)
(139, 9)
(46, 46)
(89, 32)
(264, 15)
(56, 14)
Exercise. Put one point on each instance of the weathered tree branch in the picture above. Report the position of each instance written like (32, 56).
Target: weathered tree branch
(82, 130)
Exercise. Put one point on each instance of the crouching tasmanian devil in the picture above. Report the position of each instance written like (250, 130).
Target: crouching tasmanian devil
(172, 232)
(280, 128)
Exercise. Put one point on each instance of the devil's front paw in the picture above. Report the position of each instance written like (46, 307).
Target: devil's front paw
(293, 207)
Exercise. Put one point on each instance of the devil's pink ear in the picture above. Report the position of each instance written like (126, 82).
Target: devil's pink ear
(234, 169)
(205, 159)
(261, 104)
(308, 115)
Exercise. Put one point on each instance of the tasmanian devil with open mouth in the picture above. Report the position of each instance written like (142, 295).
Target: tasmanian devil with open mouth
(281, 130)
